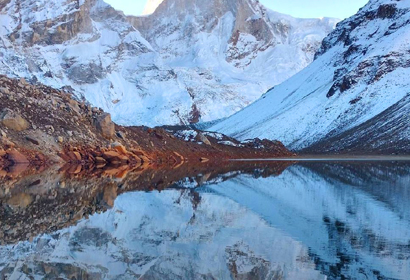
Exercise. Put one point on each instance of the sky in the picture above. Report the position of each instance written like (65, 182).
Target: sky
(297, 8)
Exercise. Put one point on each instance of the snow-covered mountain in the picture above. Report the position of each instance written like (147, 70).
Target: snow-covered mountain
(194, 61)
(354, 96)
(151, 6)
(227, 53)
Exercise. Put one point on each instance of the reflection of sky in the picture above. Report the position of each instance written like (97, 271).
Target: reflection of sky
(298, 8)
(337, 221)
(301, 224)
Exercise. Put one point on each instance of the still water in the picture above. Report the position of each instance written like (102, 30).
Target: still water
(259, 221)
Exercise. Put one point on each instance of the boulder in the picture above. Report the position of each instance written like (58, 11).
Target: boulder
(105, 126)
(100, 160)
(13, 120)
(73, 105)
(119, 148)
(16, 157)
(204, 139)
(5, 90)
(203, 159)
(32, 140)
(114, 157)
(7, 143)
(121, 135)
(50, 129)
(64, 157)
(144, 159)
(110, 155)
(76, 156)
(75, 169)
(21, 200)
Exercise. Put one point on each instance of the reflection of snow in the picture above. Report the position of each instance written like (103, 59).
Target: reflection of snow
(298, 225)
(160, 235)
(333, 219)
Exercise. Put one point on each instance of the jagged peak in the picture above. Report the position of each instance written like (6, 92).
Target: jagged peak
(204, 7)
(151, 6)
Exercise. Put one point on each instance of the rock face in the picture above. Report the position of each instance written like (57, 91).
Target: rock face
(13, 120)
(17, 158)
(354, 95)
(198, 61)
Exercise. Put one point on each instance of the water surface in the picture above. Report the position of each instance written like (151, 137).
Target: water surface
(313, 220)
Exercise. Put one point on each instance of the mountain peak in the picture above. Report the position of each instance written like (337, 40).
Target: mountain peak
(151, 6)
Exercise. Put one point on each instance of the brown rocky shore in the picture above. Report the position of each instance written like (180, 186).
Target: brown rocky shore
(41, 126)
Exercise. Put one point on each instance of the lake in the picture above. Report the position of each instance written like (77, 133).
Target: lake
(265, 220)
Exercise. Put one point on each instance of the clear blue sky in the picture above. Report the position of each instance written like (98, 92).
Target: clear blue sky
(297, 8)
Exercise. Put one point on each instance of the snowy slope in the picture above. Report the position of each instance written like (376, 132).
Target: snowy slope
(236, 49)
(360, 72)
(195, 73)
(151, 6)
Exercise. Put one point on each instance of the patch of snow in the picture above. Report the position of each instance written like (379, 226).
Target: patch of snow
(186, 135)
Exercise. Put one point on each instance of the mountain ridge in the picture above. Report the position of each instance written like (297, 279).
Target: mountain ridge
(359, 72)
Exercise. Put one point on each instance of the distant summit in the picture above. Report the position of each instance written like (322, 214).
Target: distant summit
(151, 6)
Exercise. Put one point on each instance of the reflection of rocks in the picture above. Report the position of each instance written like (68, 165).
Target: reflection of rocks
(242, 224)
(92, 237)
(110, 194)
(21, 200)
(244, 265)
(53, 271)
(75, 192)
(371, 177)
(153, 236)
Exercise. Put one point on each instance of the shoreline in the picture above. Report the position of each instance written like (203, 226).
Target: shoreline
(40, 126)
(331, 159)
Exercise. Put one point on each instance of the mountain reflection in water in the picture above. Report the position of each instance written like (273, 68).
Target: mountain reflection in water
(238, 221)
